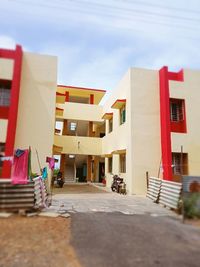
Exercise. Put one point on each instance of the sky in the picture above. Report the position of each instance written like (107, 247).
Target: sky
(97, 41)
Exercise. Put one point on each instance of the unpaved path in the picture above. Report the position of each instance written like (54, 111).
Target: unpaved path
(36, 242)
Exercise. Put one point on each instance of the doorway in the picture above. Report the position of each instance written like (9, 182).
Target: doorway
(101, 171)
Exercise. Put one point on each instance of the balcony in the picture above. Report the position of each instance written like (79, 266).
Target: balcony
(79, 145)
(78, 111)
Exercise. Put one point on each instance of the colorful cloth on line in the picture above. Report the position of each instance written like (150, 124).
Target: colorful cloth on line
(20, 167)
(51, 162)
(44, 173)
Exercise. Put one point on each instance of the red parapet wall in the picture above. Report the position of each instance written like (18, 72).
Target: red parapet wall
(164, 77)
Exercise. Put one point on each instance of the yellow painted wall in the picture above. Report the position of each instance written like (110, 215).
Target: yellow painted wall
(36, 114)
(119, 138)
(77, 111)
(6, 69)
(145, 127)
(3, 130)
(79, 145)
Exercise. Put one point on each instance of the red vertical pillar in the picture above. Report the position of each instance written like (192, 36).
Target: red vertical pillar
(13, 109)
(92, 99)
(66, 96)
(165, 124)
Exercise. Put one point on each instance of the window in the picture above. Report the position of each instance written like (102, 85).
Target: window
(110, 165)
(123, 114)
(4, 97)
(73, 126)
(176, 110)
(177, 115)
(122, 159)
(179, 163)
(110, 125)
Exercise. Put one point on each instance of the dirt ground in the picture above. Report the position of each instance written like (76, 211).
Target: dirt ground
(36, 242)
(77, 189)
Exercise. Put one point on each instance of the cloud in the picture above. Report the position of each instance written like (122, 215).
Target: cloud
(7, 42)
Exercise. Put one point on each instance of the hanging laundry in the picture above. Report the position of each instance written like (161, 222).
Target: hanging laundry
(44, 173)
(20, 167)
(51, 162)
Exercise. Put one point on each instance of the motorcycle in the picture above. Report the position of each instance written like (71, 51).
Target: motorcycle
(115, 186)
(59, 180)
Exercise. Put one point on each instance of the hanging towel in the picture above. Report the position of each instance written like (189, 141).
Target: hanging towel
(44, 173)
(20, 167)
(52, 163)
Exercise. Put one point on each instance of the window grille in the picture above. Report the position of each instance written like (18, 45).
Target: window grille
(123, 115)
(176, 161)
(177, 111)
(123, 163)
(73, 126)
(110, 165)
(110, 125)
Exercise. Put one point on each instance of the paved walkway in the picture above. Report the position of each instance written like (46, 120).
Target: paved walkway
(109, 202)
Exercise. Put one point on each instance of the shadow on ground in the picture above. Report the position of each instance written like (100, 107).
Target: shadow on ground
(77, 189)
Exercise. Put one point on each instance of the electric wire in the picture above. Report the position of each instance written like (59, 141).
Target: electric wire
(128, 18)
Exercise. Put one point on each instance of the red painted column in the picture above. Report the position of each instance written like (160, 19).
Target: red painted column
(92, 99)
(66, 96)
(165, 123)
(13, 109)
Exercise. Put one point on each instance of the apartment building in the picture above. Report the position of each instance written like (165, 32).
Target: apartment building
(79, 133)
(152, 127)
(27, 105)
(149, 124)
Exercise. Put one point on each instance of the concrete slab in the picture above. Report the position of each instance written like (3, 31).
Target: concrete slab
(49, 214)
(110, 202)
(5, 214)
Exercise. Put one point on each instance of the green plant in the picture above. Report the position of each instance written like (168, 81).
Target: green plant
(55, 172)
(33, 175)
(191, 206)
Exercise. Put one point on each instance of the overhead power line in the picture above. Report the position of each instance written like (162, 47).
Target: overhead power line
(96, 11)
(132, 10)
(164, 7)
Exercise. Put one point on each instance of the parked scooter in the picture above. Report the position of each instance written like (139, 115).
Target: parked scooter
(115, 186)
(59, 180)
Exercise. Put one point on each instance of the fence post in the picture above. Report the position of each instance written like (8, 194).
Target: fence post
(147, 179)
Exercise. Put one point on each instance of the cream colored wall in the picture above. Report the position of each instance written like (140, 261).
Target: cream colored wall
(79, 145)
(6, 70)
(119, 138)
(3, 130)
(145, 122)
(189, 90)
(140, 135)
(77, 111)
(36, 114)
